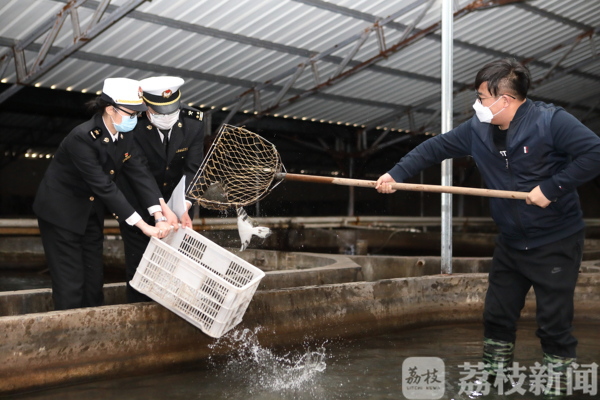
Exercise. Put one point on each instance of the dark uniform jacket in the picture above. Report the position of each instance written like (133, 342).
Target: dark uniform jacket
(184, 155)
(82, 175)
(545, 146)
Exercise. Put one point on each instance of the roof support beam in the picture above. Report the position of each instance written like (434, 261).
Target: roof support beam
(292, 50)
(584, 63)
(363, 38)
(554, 73)
(41, 65)
(327, 56)
(243, 83)
(562, 58)
(289, 83)
(402, 43)
(155, 19)
(410, 28)
(50, 38)
(546, 14)
(380, 37)
(99, 11)
(234, 110)
(570, 45)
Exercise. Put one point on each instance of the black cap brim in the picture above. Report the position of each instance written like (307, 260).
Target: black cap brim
(163, 105)
(167, 109)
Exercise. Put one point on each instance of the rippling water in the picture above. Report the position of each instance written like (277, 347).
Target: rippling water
(366, 368)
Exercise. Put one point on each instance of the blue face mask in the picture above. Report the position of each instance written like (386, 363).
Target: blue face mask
(127, 124)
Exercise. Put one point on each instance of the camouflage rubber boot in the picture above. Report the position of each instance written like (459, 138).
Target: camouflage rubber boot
(497, 356)
(559, 373)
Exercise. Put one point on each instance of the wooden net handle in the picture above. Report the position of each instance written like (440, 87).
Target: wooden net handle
(504, 194)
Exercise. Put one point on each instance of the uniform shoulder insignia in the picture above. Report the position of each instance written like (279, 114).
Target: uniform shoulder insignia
(96, 133)
(193, 114)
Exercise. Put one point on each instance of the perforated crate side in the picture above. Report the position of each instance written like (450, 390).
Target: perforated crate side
(206, 296)
(193, 245)
(166, 275)
(187, 302)
(217, 259)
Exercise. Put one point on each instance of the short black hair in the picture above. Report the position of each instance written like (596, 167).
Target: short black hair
(98, 105)
(505, 75)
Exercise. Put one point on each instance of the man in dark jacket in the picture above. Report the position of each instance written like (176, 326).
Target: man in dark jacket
(171, 141)
(533, 147)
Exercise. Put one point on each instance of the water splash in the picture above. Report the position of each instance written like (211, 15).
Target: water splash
(262, 370)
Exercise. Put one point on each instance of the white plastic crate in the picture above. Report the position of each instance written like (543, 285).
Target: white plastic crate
(195, 278)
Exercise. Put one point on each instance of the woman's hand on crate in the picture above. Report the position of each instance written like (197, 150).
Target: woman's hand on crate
(186, 221)
(161, 229)
(164, 229)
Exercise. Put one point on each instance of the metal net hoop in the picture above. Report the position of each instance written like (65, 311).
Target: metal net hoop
(238, 170)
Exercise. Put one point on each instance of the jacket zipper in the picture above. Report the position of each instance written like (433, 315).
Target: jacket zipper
(515, 206)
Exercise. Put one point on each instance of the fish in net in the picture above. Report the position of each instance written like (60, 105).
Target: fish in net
(239, 169)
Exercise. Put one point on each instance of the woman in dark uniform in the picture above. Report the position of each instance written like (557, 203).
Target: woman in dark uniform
(78, 185)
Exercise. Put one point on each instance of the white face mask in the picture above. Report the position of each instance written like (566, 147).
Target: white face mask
(484, 114)
(164, 121)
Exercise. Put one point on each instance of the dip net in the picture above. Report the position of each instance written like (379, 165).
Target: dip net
(239, 169)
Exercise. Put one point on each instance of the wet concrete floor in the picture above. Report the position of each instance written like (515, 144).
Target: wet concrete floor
(367, 368)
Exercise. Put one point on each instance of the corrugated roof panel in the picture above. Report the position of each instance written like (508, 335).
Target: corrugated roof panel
(467, 63)
(570, 88)
(272, 20)
(537, 71)
(323, 31)
(221, 93)
(463, 106)
(223, 48)
(183, 10)
(383, 8)
(423, 57)
(582, 11)
(592, 68)
(328, 111)
(379, 8)
(384, 88)
(491, 29)
(570, 55)
(20, 17)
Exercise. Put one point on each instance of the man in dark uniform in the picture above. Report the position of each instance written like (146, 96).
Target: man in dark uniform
(79, 183)
(171, 139)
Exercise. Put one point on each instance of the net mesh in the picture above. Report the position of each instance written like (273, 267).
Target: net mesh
(238, 170)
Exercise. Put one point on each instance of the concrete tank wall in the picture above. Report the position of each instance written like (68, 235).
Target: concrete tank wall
(45, 349)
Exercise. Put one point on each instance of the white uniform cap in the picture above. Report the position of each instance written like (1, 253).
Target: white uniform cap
(123, 92)
(162, 93)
